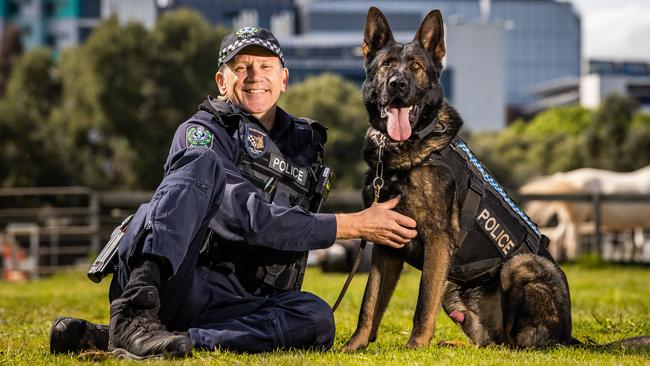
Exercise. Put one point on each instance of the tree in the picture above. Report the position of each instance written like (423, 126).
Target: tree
(29, 152)
(103, 81)
(636, 149)
(553, 141)
(338, 105)
(607, 135)
(125, 92)
(185, 51)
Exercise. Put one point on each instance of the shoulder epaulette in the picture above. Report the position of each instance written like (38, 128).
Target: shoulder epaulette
(319, 131)
(221, 110)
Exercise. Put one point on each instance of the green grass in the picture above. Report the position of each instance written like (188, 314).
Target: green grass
(609, 303)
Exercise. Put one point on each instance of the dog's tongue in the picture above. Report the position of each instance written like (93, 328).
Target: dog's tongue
(457, 316)
(399, 128)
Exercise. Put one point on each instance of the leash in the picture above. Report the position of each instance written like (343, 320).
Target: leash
(377, 184)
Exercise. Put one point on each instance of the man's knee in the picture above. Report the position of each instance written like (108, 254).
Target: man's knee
(320, 315)
(325, 322)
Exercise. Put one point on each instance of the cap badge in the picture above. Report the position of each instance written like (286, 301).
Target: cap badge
(247, 32)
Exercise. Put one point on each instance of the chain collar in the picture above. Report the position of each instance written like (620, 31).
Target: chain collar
(378, 182)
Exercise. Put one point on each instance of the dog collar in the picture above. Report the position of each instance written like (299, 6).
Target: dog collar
(435, 126)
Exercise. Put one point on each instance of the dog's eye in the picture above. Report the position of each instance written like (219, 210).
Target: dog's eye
(386, 63)
(415, 66)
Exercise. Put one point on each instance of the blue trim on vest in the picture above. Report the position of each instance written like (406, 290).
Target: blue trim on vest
(488, 178)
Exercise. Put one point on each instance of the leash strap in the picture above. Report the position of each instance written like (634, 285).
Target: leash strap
(353, 271)
(377, 185)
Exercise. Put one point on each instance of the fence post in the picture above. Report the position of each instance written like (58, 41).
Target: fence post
(94, 223)
(597, 233)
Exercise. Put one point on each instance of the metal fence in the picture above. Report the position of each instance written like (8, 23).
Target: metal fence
(55, 228)
(596, 200)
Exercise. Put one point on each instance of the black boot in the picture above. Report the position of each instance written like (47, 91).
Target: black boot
(135, 329)
(76, 335)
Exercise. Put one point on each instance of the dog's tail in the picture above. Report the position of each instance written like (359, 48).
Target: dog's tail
(640, 343)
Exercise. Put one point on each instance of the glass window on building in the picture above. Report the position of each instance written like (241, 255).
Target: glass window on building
(640, 92)
(49, 9)
(12, 9)
(602, 67)
(90, 8)
(634, 69)
(84, 32)
(51, 40)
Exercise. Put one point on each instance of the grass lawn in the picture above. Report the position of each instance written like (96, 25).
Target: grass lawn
(609, 303)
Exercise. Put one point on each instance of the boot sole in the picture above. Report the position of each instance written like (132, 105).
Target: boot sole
(179, 348)
(122, 353)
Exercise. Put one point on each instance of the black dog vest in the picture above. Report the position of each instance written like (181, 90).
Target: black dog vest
(492, 227)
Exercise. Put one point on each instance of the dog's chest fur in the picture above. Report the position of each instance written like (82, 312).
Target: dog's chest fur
(427, 191)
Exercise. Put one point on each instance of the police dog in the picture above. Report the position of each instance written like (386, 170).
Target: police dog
(527, 304)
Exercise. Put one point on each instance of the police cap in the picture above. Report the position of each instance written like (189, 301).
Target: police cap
(248, 36)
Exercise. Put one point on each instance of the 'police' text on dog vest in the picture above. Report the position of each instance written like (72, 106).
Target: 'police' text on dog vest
(496, 231)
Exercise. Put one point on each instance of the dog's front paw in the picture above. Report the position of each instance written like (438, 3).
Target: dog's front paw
(417, 342)
(354, 344)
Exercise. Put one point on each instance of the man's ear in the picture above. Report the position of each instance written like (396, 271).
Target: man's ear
(221, 82)
(285, 79)
(431, 34)
(377, 33)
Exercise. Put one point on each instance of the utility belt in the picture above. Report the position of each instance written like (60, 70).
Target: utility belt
(492, 227)
(258, 267)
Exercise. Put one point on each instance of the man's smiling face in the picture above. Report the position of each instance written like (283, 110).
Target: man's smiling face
(254, 79)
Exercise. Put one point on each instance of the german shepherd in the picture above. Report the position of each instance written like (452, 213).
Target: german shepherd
(527, 304)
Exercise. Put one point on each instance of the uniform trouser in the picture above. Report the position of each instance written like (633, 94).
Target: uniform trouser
(213, 307)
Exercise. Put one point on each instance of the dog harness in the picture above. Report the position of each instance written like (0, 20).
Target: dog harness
(492, 227)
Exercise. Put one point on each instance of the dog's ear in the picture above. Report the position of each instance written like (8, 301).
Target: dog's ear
(377, 33)
(431, 34)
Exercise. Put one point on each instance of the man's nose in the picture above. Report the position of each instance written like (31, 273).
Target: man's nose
(398, 83)
(252, 73)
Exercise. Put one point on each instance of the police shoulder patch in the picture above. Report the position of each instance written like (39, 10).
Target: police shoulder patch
(197, 135)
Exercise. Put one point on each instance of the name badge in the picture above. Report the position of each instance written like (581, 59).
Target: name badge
(496, 231)
(255, 141)
(281, 165)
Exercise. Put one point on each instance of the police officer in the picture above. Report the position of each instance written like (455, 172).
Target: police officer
(216, 259)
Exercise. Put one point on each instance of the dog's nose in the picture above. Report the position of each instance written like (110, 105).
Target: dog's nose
(398, 83)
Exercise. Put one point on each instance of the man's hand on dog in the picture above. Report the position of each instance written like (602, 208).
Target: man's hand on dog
(378, 224)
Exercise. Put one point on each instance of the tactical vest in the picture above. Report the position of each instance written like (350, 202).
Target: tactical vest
(301, 179)
(492, 227)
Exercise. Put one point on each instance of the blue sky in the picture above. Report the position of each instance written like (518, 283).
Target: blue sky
(615, 29)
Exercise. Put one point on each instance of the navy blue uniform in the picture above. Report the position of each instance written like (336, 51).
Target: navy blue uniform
(203, 187)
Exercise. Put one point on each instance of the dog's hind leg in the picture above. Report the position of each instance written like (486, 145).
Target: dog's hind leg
(384, 273)
(432, 282)
(476, 310)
